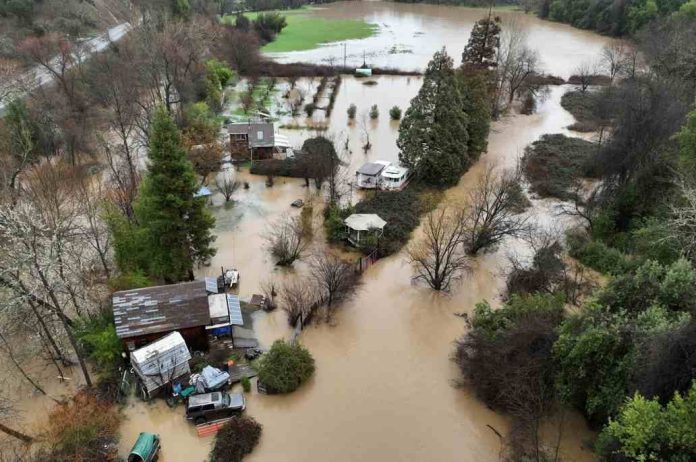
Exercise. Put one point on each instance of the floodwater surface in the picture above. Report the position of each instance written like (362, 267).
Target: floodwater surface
(385, 387)
(409, 34)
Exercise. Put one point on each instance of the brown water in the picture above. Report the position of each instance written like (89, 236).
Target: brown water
(409, 34)
(384, 388)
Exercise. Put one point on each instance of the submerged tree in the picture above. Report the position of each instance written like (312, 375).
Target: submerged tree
(433, 135)
(438, 257)
(494, 211)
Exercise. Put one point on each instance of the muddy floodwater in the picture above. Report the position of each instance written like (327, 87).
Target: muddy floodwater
(385, 388)
(409, 34)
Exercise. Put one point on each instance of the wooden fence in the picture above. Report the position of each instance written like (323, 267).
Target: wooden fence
(363, 263)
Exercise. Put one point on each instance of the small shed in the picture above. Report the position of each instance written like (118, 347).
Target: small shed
(161, 362)
(362, 225)
(144, 315)
(368, 176)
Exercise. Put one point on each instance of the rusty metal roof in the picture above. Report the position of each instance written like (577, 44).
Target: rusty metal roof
(160, 309)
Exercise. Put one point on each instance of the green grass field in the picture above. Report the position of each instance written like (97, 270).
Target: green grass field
(305, 31)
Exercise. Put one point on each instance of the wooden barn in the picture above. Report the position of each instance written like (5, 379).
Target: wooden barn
(148, 314)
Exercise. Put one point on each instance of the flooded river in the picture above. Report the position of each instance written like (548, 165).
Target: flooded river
(385, 388)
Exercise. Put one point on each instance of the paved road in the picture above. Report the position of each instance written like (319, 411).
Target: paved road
(39, 76)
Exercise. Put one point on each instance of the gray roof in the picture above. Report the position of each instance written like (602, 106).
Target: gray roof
(371, 168)
(160, 309)
(261, 134)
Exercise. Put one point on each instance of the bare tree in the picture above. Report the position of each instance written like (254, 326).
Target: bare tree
(584, 75)
(494, 211)
(226, 184)
(517, 63)
(287, 240)
(269, 287)
(614, 58)
(334, 278)
(438, 256)
(298, 301)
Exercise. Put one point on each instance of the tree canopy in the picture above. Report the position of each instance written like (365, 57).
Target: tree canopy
(433, 136)
(173, 228)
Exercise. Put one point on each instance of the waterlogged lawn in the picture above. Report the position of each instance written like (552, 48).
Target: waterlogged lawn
(306, 31)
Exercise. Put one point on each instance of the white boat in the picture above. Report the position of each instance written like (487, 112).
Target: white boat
(368, 177)
(394, 178)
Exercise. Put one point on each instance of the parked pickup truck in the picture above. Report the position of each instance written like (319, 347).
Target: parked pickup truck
(213, 406)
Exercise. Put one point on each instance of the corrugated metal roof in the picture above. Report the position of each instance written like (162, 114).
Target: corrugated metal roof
(160, 309)
(235, 310)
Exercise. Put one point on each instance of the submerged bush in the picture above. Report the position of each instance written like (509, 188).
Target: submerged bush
(352, 110)
(374, 112)
(285, 367)
(395, 113)
(236, 439)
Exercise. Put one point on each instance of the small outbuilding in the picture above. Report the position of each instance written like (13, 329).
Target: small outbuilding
(255, 139)
(161, 363)
(362, 226)
(368, 176)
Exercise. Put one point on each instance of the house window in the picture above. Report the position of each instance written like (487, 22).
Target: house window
(259, 135)
(240, 137)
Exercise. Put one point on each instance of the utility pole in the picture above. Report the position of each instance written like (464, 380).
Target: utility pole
(345, 46)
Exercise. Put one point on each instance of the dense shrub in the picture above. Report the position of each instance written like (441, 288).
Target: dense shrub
(584, 107)
(97, 335)
(374, 112)
(285, 367)
(352, 110)
(268, 25)
(598, 255)
(401, 210)
(554, 163)
(236, 439)
(647, 430)
(595, 355)
(395, 113)
(132, 280)
(83, 429)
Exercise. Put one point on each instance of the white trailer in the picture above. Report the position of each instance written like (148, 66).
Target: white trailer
(161, 362)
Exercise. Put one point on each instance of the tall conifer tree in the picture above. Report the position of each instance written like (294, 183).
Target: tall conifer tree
(433, 136)
(174, 225)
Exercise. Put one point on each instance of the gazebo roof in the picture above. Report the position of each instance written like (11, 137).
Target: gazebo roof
(364, 221)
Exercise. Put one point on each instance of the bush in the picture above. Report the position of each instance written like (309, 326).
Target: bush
(131, 280)
(236, 439)
(646, 430)
(374, 112)
(333, 223)
(395, 113)
(98, 338)
(352, 110)
(598, 255)
(83, 429)
(285, 367)
(246, 384)
(401, 210)
(553, 163)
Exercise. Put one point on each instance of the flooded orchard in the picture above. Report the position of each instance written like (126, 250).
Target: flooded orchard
(384, 387)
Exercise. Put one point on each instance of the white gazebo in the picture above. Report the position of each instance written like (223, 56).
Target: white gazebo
(362, 225)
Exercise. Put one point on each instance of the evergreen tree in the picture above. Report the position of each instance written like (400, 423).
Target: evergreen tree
(433, 135)
(477, 105)
(483, 45)
(173, 224)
